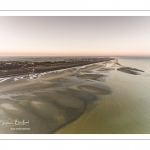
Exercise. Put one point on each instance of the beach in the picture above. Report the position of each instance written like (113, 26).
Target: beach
(92, 98)
(125, 110)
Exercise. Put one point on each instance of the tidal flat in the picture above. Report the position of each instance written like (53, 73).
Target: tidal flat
(94, 98)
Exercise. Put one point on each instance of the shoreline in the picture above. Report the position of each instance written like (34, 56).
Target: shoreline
(17, 68)
(45, 100)
(56, 98)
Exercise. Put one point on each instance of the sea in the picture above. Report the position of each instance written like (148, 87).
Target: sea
(125, 111)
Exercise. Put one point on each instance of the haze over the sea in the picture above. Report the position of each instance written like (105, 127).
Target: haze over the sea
(74, 36)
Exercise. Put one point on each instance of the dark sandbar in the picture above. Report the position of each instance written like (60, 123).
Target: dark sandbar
(129, 70)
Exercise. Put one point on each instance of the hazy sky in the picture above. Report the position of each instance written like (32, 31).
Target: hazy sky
(96, 36)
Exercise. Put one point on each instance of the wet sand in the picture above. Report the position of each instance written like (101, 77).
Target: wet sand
(52, 100)
(46, 111)
(90, 76)
(47, 101)
(129, 70)
(124, 111)
(100, 89)
(24, 67)
(90, 67)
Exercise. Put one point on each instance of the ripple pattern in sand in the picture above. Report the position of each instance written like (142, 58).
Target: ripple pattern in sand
(125, 111)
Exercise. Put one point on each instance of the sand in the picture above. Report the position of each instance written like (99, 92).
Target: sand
(100, 89)
(53, 100)
(46, 111)
(106, 69)
(49, 100)
(90, 76)
(129, 70)
(90, 67)
(23, 85)
(125, 111)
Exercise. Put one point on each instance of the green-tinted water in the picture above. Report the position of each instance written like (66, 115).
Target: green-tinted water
(126, 110)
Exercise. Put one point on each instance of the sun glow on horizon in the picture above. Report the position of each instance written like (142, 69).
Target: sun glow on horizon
(74, 36)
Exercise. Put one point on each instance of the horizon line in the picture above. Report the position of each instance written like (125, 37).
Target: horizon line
(74, 56)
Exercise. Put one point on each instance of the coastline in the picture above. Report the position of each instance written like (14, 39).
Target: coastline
(17, 68)
(53, 99)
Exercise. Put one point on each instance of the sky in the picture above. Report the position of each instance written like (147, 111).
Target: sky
(74, 36)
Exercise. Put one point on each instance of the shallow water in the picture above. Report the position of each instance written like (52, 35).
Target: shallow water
(126, 110)
(43, 104)
(112, 102)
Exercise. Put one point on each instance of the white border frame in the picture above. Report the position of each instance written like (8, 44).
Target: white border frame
(75, 136)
